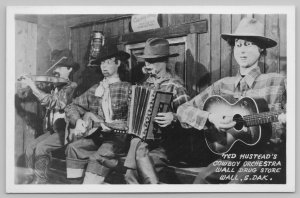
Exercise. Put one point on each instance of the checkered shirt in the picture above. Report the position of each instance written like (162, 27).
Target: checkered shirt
(271, 87)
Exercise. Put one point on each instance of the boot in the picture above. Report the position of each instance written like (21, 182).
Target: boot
(145, 165)
(146, 171)
(41, 170)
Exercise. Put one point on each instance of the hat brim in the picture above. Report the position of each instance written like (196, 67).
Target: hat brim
(120, 54)
(74, 65)
(145, 56)
(261, 40)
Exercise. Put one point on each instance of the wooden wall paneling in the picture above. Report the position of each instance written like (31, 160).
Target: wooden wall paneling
(282, 43)
(164, 20)
(203, 68)
(117, 27)
(126, 22)
(262, 19)
(177, 64)
(215, 55)
(84, 39)
(25, 48)
(120, 27)
(108, 28)
(175, 19)
(272, 31)
(191, 60)
(225, 48)
(75, 35)
(189, 18)
(235, 20)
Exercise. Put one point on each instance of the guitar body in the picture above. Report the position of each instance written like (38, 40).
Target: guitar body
(220, 142)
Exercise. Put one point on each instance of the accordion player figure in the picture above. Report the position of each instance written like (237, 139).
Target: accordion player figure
(150, 150)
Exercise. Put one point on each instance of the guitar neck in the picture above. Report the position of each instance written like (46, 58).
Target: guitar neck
(261, 118)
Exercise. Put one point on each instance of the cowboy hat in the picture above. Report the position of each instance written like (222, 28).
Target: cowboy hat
(108, 51)
(63, 58)
(252, 29)
(157, 48)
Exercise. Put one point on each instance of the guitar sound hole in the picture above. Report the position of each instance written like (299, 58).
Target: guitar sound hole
(239, 122)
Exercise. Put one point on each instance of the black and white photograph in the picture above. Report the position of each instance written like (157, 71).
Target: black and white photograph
(150, 99)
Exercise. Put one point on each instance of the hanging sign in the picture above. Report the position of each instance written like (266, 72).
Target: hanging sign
(142, 22)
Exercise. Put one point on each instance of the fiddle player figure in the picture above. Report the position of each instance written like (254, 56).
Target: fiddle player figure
(37, 153)
(146, 159)
(95, 114)
(249, 44)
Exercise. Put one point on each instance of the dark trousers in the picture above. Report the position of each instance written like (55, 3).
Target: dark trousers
(147, 160)
(98, 154)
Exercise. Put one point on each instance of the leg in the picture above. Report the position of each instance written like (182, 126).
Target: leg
(131, 176)
(30, 149)
(42, 155)
(101, 163)
(145, 165)
(77, 155)
(29, 156)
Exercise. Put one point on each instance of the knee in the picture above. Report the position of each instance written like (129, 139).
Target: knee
(106, 150)
(70, 148)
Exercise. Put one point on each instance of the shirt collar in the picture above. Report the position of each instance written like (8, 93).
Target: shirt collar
(249, 78)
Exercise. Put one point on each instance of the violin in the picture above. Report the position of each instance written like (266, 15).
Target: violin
(43, 82)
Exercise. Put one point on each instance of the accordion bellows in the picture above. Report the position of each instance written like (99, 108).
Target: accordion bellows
(145, 103)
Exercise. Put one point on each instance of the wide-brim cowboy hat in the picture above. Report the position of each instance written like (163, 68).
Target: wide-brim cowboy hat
(108, 51)
(156, 48)
(251, 29)
(63, 58)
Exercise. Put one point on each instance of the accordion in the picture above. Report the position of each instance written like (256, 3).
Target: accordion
(145, 103)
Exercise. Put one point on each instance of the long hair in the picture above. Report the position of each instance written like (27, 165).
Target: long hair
(123, 69)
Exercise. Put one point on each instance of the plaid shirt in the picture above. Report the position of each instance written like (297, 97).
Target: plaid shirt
(119, 93)
(168, 83)
(57, 100)
(271, 87)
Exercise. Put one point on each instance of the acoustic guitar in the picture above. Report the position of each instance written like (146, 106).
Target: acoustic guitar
(253, 123)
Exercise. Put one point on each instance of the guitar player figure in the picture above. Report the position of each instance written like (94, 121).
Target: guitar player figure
(96, 152)
(249, 45)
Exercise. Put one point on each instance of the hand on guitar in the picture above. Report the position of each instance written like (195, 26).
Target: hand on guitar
(164, 119)
(221, 122)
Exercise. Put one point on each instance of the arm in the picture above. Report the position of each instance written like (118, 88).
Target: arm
(77, 108)
(180, 96)
(191, 113)
(57, 99)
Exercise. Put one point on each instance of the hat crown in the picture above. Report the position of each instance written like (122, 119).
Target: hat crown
(250, 26)
(108, 50)
(157, 46)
